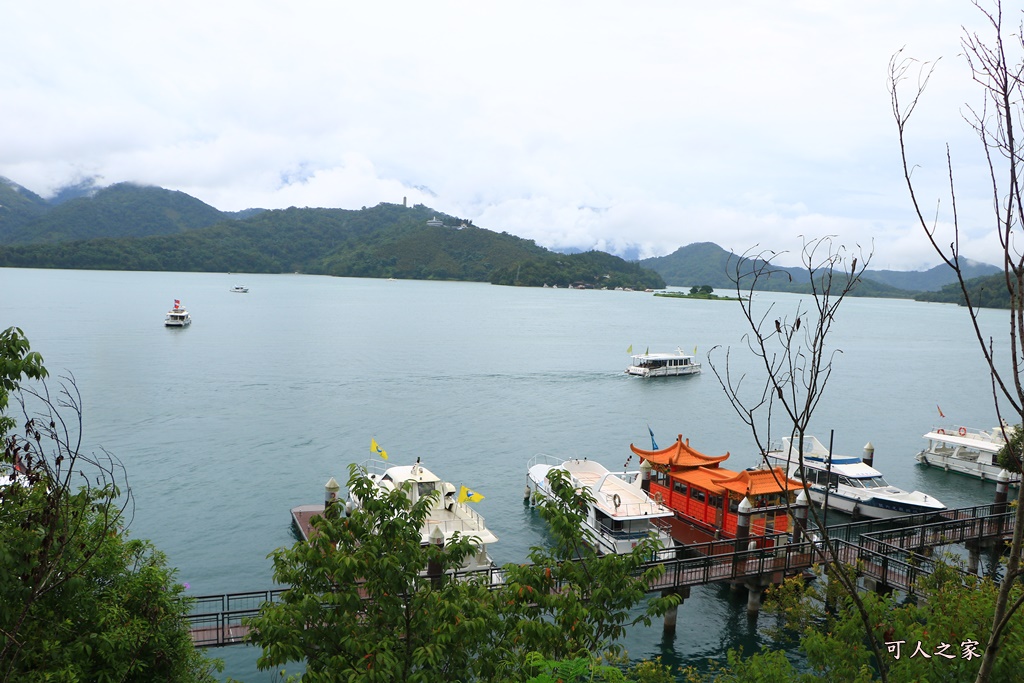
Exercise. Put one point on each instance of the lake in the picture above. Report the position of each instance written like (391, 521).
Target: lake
(226, 425)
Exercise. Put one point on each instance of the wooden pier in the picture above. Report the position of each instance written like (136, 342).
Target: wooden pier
(888, 556)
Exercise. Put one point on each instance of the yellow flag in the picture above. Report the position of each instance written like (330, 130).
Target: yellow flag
(377, 450)
(630, 349)
(470, 496)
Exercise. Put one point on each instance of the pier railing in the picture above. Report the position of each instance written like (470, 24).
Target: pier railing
(880, 549)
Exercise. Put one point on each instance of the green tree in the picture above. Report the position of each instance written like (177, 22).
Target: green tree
(17, 362)
(79, 599)
(360, 606)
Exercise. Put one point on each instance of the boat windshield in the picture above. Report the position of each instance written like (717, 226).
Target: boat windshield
(425, 488)
(872, 482)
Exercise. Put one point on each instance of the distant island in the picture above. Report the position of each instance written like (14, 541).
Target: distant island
(135, 227)
(705, 292)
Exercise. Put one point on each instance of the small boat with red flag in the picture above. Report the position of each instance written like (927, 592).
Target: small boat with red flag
(177, 316)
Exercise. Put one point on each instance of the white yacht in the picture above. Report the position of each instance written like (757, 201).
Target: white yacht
(622, 513)
(239, 289)
(848, 483)
(449, 514)
(177, 316)
(648, 365)
(973, 452)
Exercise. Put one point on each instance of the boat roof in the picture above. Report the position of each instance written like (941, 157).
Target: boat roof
(759, 482)
(662, 356)
(403, 473)
(679, 455)
(989, 442)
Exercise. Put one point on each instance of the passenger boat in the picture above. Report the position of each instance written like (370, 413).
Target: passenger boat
(240, 290)
(648, 365)
(621, 515)
(449, 514)
(973, 452)
(848, 484)
(706, 496)
(177, 316)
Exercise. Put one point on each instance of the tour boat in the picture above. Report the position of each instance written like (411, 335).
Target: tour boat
(177, 316)
(973, 452)
(648, 365)
(849, 484)
(240, 289)
(621, 514)
(448, 515)
(706, 496)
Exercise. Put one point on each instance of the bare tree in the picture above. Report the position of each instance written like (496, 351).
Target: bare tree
(796, 364)
(65, 501)
(995, 122)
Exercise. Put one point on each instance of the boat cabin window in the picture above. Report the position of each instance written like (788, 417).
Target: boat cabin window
(679, 487)
(425, 487)
(661, 477)
(734, 505)
(876, 481)
(715, 501)
(697, 495)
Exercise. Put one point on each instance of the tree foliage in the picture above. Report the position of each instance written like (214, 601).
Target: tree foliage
(361, 607)
(79, 599)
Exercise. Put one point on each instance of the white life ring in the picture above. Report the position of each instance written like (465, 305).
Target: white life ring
(616, 501)
(940, 431)
(963, 431)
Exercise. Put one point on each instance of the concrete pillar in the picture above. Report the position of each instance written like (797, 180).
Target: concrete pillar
(800, 509)
(869, 454)
(672, 614)
(331, 489)
(645, 475)
(973, 559)
(753, 599)
(1002, 489)
(742, 528)
(433, 565)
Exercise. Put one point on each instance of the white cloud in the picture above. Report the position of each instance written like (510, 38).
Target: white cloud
(654, 123)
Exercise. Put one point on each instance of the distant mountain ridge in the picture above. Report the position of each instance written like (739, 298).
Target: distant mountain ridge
(705, 263)
(135, 227)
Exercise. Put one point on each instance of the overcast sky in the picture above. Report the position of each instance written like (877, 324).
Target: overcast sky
(589, 124)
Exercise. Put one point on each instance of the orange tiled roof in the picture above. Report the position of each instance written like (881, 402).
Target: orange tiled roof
(758, 482)
(679, 455)
(709, 478)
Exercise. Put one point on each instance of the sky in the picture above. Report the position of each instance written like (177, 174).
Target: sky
(631, 127)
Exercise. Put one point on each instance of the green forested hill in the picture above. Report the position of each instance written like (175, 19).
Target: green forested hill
(18, 206)
(987, 292)
(122, 210)
(706, 263)
(387, 240)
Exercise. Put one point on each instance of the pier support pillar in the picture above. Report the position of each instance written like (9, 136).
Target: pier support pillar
(742, 527)
(753, 599)
(331, 489)
(672, 614)
(973, 559)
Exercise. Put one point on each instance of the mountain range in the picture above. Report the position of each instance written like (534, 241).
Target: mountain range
(134, 227)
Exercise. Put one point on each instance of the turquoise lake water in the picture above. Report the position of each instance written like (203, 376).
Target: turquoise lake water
(226, 425)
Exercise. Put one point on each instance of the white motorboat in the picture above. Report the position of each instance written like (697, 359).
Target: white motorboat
(449, 514)
(622, 513)
(848, 484)
(240, 289)
(973, 452)
(648, 365)
(177, 316)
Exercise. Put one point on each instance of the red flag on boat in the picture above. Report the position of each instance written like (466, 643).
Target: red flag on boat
(177, 302)
(940, 410)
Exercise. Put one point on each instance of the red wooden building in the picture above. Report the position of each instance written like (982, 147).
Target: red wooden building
(705, 494)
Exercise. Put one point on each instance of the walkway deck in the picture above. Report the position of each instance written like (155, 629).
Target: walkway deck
(891, 555)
